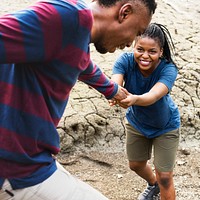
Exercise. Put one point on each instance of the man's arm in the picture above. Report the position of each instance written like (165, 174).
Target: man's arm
(94, 77)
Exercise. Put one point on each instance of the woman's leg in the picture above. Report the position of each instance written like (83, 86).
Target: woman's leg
(144, 170)
(166, 185)
(165, 148)
(139, 152)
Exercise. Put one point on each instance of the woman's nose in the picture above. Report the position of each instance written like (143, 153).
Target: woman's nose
(145, 54)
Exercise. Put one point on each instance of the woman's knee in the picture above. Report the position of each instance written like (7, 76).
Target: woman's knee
(165, 179)
(137, 165)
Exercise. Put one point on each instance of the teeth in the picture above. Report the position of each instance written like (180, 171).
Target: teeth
(144, 62)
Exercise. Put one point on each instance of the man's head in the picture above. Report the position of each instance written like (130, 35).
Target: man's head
(118, 22)
(150, 4)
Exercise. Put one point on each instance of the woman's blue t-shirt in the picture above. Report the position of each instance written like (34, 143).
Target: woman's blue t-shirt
(160, 117)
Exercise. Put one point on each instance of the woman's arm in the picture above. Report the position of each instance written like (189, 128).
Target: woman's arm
(118, 78)
(157, 92)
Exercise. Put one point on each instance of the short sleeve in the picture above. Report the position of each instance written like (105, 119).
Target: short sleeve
(168, 75)
(123, 63)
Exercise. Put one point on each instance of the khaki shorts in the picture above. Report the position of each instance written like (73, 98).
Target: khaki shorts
(139, 148)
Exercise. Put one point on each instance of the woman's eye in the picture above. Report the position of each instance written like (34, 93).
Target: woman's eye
(139, 50)
(152, 52)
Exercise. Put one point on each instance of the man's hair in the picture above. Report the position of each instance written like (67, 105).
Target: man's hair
(150, 4)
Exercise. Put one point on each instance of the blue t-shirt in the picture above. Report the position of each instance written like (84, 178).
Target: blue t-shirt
(163, 115)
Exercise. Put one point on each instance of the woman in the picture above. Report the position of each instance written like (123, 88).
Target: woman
(148, 74)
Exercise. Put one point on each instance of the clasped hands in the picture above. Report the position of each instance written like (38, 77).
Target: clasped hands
(123, 98)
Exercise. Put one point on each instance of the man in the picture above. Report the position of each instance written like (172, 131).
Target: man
(44, 50)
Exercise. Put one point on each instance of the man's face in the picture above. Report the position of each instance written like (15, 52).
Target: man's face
(122, 35)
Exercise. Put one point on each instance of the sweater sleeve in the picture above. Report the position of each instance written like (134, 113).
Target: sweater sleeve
(94, 77)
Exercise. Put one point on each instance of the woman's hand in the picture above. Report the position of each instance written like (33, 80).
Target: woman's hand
(128, 101)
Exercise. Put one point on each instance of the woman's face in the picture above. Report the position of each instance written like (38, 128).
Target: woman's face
(147, 53)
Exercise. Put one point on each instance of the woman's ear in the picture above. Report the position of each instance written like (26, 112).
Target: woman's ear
(125, 11)
(161, 53)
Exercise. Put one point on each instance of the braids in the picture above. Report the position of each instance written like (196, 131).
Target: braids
(161, 34)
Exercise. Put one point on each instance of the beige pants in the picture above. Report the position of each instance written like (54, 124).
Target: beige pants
(60, 186)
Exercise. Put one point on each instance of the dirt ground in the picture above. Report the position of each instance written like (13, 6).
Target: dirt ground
(107, 169)
(109, 173)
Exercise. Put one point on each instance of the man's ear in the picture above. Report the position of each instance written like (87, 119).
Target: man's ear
(125, 11)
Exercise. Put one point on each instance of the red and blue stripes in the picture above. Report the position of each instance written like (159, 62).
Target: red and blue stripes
(44, 50)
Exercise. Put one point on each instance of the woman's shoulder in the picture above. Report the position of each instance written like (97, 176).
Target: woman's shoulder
(127, 58)
(127, 55)
(165, 65)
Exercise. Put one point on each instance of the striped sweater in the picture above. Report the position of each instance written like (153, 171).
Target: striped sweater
(44, 50)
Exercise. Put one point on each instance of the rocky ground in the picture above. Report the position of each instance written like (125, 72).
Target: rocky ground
(109, 172)
(105, 167)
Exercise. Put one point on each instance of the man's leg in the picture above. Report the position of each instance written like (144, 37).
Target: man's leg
(60, 186)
